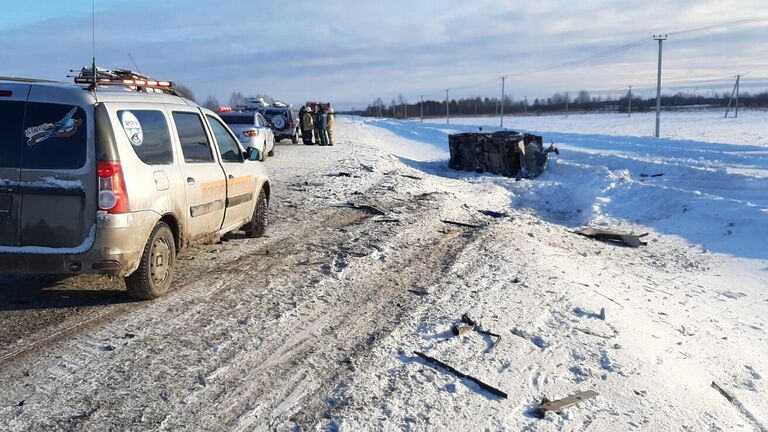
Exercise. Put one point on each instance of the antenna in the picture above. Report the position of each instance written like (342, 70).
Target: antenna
(134, 64)
(93, 41)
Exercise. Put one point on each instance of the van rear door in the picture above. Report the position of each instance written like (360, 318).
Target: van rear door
(13, 98)
(58, 172)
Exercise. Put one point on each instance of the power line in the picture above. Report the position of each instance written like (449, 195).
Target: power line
(720, 25)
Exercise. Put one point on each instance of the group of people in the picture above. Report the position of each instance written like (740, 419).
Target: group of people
(317, 125)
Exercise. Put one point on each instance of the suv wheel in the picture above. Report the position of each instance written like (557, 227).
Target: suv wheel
(257, 225)
(153, 277)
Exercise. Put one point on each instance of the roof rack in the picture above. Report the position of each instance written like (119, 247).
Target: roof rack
(124, 77)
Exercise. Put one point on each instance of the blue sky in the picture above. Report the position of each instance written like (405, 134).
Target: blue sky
(350, 52)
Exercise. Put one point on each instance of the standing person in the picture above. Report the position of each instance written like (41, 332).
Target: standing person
(307, 126)
(329, 125)
(315, 109)
(302, 110)
(321, 121)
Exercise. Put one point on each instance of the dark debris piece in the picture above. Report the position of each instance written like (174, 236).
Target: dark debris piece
(494, 214)
(451, 369)
(631, 240)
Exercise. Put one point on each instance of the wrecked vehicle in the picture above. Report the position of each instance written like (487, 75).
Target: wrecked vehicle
(114, 174)
(508, 153)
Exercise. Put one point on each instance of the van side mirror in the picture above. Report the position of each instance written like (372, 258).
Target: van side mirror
(253, 154)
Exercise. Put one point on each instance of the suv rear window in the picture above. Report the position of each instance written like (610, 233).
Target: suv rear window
(55, 137)
(194, 142)
(147, 131)
(12, 113)
(239, 119)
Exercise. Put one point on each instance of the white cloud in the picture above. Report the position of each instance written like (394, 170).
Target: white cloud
(352, 52)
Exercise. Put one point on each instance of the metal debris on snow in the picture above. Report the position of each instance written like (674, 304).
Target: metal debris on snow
(561, 404)
(460, 374)
(631, 240)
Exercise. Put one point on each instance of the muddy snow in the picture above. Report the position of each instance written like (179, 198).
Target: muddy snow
(315, 325)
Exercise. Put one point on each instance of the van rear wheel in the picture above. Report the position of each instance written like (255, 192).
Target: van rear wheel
(153, 277)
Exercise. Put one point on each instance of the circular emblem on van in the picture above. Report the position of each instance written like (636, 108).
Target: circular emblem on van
(132, 128)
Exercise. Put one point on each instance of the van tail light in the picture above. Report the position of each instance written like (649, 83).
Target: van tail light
(251, 133)
(113, 197)
(6, 93)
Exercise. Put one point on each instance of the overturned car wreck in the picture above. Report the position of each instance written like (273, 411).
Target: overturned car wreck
(508, 153)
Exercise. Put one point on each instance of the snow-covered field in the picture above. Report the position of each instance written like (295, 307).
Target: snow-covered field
(685, 311)
(713, 194)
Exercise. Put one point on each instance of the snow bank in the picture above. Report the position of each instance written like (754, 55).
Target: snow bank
(713, 194)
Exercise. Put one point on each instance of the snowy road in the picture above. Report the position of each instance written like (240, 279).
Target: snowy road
(314, 326)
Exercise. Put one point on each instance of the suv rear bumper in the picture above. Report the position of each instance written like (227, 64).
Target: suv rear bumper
(117, 248)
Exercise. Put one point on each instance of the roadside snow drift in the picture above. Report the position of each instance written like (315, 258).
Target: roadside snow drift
(712, 194)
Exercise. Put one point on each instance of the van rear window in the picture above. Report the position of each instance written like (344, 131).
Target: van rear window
(55, 137)
(12, 115)
(247, 119)
(147, 131)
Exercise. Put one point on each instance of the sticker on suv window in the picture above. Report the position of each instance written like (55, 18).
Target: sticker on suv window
(132, 128)
(65, 127)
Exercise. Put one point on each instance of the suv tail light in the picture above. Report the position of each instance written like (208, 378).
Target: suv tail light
(113, 197)
(251, 133)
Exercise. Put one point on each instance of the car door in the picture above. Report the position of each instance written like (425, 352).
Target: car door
(13, 99)
(270, 135)
(241, 183)
(206, 185)
(58, 172)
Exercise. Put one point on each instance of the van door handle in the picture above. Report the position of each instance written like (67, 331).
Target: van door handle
(190, 180)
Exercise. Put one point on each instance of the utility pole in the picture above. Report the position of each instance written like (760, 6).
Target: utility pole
(566, 104)
(421, 106)
(661, 39)
(629, 110)
(735, 92)
(447, 109)
(405, 109)
(738, 79)
(501, 122)
(525, 107)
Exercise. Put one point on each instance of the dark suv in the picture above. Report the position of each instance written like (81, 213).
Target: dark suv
(283, 121)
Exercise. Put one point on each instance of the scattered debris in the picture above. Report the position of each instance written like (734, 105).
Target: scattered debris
(419, 292)
(107, 348)
(741, 408)
(410, 176)
(459, 374)
(463, 224)
(339, 174)
(651, 175)
(493, 214)
(460, 329)
(21, 403)
(628, 239)
(365, 167)
(559, 405)
(364, 207)
(386, 219)
(129, 336)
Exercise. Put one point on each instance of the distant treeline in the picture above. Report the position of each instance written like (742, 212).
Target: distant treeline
(558, 102)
